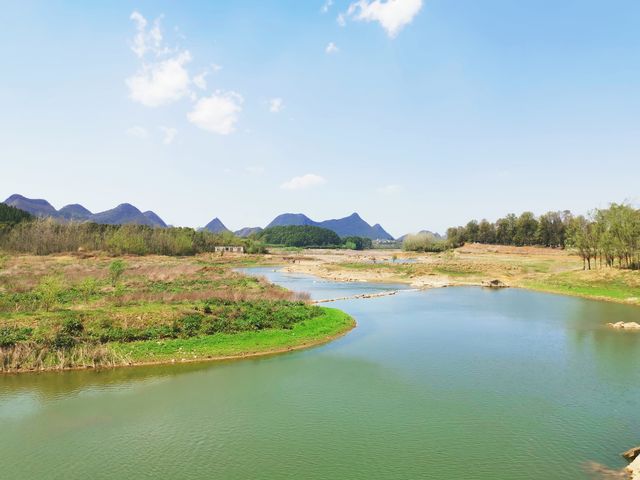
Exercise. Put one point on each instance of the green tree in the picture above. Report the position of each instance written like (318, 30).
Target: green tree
(116, 269)
(526, 229)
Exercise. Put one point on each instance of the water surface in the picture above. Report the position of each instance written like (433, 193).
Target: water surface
(455, 383)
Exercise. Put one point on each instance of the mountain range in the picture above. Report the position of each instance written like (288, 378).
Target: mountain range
(353, 225)
(123, 213)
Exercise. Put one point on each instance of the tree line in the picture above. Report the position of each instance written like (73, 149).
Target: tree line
(43, 236)
(606, 237)
(11, 215)
(310, 236)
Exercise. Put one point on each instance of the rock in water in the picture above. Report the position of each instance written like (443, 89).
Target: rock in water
(494, 284)
(625, 325)
(631, 454)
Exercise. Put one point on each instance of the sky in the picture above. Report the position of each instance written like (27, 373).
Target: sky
(417, 114)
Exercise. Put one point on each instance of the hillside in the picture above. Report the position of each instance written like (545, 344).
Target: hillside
(216, 226)
(246, 231)
(122, 214)
(353, 225)
(435, 235)
(37, 207)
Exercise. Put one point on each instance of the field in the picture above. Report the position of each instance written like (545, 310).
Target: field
(70, 311)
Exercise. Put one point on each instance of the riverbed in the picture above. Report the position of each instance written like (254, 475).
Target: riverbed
(447, 383)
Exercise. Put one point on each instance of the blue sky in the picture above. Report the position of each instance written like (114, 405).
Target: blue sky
(416, 114)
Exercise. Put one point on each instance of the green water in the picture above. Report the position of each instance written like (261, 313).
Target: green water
(457, 383)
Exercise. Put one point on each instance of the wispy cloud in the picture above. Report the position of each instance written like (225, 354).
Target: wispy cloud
(303, 182)
(276, 105)
(392, 15)
(145, 40)
(326, 6)
(200, 81)
(168, 135)
(163, 78)
(138, 132)
(331, 48)
(217, 113)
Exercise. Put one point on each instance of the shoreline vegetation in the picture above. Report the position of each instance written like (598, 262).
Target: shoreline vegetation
(89, 311)
(548, 270)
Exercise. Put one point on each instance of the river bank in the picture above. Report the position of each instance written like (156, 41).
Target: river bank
(71, 312)
(532, 268)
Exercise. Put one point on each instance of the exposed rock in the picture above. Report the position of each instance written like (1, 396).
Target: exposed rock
(631, 454)
(494, 284)
(634, 469)
(625, 326)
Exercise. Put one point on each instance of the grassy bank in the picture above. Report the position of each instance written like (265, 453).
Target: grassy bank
(608, 285)
(314, 331)
(60, 312)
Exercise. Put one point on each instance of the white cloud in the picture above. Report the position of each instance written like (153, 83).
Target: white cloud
(217, 113)
(326, 6)
(331, 48)
(276, 105)
(138, 132)
(390, 189)
(161, 83)
(165, 78)
(200, 81)
(393, 15)
(169, 135)
(305, 181)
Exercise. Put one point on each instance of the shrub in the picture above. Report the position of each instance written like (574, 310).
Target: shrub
(116, 269)
(190, 325)
(47, 292)
(9, 336)
(88, 288)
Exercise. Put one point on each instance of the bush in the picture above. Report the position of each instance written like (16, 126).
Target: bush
(47, 292)
(9, 336)
(424, 242)
(116, 269)
(190, 325)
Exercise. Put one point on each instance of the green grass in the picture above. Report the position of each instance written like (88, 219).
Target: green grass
(616, 289)
(309, 332)
(452, 271)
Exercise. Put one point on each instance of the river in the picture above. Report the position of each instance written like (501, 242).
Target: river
(453, 383)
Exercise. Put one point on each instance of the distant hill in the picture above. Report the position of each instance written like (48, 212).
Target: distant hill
(122, 214)
(37, 207)
(246, 231)
(353, 225)
(155, 218)
(287, 219)
(75, 211)
(435, 235)
(216, 226)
